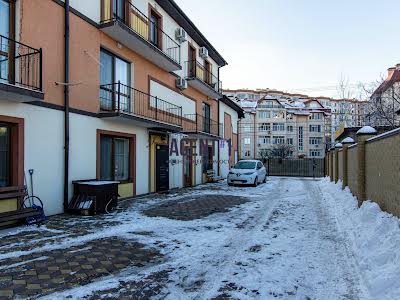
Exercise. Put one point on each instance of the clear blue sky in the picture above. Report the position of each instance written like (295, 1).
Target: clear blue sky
(298, 44)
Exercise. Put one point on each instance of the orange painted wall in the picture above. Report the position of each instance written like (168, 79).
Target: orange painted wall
(85, 43)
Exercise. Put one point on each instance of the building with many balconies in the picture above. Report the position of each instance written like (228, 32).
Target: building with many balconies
(108, 90)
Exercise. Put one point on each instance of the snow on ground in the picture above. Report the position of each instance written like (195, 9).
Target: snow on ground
(294, 239)
(375, 237)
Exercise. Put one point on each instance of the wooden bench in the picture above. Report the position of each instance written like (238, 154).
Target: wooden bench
(212, 177)
(19, 193)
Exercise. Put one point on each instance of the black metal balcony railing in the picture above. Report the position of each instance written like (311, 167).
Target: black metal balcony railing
(139, 23)
(20, 64)
(194, 69)
(199, 123)
(118, 97)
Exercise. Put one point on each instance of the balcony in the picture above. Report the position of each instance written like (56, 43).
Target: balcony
(20, 71)
(198, 124)
(202, 79)
(136, 31)
(122, 102)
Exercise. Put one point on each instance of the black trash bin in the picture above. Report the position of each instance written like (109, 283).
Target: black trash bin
(93, 197)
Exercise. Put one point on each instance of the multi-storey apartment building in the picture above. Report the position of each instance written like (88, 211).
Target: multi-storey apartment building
(272, 122)
(110, 90)
(344, 112)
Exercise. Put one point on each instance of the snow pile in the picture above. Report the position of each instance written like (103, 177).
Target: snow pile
(366, 130)
(348, 140)
(375, 236)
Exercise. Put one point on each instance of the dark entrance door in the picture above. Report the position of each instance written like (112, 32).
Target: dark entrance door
(187, 167)
(162, 168)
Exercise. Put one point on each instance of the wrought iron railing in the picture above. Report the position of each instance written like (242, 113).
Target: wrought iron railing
(202, 124)
(194, 69)
(139, 23)
(118, 97)
(20, 64)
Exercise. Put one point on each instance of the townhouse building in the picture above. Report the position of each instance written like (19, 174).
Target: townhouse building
(124, 90)
(385, 101)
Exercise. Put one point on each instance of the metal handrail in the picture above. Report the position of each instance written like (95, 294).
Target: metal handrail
(139, 23)
(194, 69)
(20, 64)
(121, 98)
(200, 123)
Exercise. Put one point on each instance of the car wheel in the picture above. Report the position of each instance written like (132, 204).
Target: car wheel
(255, 182)
(265, 179)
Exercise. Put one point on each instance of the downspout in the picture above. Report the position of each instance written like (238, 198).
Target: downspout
(66, 106)
(219, 167)
(218, 160)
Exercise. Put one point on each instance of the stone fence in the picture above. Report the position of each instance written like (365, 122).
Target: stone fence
(370, 167)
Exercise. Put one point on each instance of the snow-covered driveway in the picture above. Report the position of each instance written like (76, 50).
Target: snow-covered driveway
(281, 243)
(290, 238)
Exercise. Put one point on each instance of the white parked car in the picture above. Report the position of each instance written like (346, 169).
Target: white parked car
(247, 172)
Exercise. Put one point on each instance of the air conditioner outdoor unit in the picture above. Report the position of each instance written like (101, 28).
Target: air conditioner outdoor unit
(180, 35)
(203, 52)
(181, 83)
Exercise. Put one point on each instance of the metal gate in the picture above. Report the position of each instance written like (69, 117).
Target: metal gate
(307, 167)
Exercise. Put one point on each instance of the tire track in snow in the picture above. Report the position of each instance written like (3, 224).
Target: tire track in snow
(223, 261)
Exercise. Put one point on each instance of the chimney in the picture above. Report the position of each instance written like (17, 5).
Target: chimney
(391, 71)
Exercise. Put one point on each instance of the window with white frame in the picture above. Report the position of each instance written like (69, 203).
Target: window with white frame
(278, 127)
(247, 153)
(264, 114)
(290, 128)
(264, 127)
(278, 140)
(289, 116)
(315, 153)
(247, 141)
(301, 138)
(315, 116)
(315, 140)
(263, 140)
(315, 128)
(290, 141)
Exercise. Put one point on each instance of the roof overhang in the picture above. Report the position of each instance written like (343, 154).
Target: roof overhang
(183, 20)
(233, 105)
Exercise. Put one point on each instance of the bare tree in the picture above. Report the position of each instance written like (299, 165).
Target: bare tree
(264, 154)
(344, 89)
(384, 102)
(282, 150)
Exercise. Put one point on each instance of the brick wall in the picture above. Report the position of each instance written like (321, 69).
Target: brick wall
(353, 167)
(382, 170)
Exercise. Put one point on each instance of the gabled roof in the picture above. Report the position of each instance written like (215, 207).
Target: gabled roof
(183, 20)
(393, 77)
(233, 105)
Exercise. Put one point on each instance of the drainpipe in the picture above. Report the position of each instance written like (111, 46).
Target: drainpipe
(66, 106)
(218, 142)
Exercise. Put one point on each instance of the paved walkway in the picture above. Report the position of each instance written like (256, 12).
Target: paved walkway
(275, 241)
(37, 261)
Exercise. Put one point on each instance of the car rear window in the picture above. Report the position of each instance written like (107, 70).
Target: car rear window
(245, 165)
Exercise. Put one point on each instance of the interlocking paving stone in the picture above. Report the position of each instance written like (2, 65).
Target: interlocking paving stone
(192, 208)
(28, 280)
